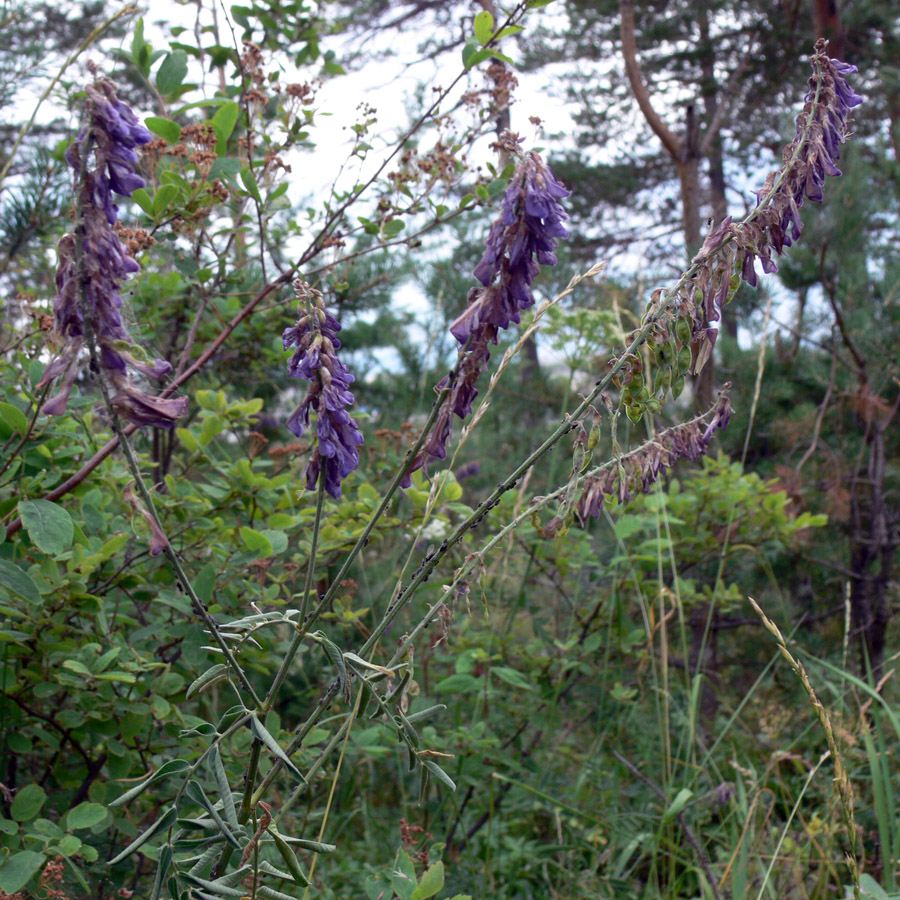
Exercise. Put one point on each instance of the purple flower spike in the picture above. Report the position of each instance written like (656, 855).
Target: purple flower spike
(94, 265)
(521, 241)
(329, 395)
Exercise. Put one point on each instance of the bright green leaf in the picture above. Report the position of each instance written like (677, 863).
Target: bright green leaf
(484, 27)
(166, 129)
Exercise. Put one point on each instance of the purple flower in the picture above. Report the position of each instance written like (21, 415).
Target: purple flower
(93, 265)
(518, 244)
(329, 395)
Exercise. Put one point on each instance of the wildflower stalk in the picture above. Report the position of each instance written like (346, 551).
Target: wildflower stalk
(844, 787)
(89, 315)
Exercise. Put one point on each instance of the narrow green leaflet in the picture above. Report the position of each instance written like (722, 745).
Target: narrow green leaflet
(337, 660)
(172, 767)
(196, 793)
(439, 773)
(48, 525)
(315, 846)
(290, 858)
(217, 769)
(164, 821)
(212, 675)
(216, 888)
(259, 731)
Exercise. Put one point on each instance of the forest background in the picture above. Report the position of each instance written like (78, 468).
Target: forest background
(217, 683)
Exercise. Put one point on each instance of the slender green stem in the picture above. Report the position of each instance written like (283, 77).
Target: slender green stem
(301, 630)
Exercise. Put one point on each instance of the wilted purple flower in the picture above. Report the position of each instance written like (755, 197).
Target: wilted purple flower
(729, 253)
(93, 265)
(638, 471)
(316, 359)
(518, 244)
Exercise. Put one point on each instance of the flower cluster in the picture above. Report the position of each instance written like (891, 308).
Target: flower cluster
(729, 253)
(639, 470)
(93, 265)
(316, 359)
(519, 243)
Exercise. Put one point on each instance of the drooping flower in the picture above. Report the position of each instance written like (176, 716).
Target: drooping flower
(518, 244)
(329, 395)
(680, 334)
(639, 470)
(93, 266)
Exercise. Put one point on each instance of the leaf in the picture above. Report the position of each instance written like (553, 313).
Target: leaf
(457, 684)
(431, 882)
(86, 815)
(28, 802)
(48, 525)
(164, 821)
(259, 731)
(513, 677)
(425, 713)
(196, 793)
(214, 761)
(19, 869)
(215, 887)
(163, 198)
(162, 869)
(439, 773)
(678, 804)
(19, 582)
(484, 28)
(468, 51)
(315, 846)
(171, 73)
(172, 767)
(14, 417)
(143, 200)
(256, 540)
(479, 56)
(165, 128)
(272, 894)
(394, 227)
(290, 858)
(337, 660)
(223, 123)
(249, 180)
(403, 878)
(211, 676)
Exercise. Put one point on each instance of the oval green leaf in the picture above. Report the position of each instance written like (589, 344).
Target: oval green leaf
(48, 525)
